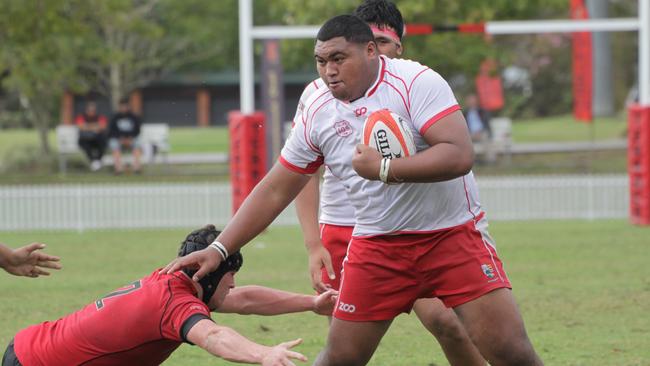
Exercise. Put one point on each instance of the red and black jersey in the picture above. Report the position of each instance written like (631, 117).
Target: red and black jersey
(84, 119)
(139, 324)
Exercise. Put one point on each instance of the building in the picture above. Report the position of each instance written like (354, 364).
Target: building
(189, 99)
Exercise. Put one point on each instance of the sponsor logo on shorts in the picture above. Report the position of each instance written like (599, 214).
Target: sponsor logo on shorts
(348, 308)
(488, 270)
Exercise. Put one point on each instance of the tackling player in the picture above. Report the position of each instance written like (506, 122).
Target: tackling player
(422, 235)
(327, 245)
(27, 261)
(144, 322)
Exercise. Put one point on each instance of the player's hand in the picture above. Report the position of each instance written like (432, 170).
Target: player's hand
(29, 261)
(324, 303)
(205, 261)
(281, 354)
(319, 257)
(366, 162)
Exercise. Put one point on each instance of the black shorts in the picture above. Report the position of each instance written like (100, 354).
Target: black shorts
(9, 358)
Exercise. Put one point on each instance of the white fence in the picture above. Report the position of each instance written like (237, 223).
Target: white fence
(83, 207)
(555, 197)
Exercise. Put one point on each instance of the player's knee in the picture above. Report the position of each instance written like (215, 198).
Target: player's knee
(341, 355)
(515, 351)
(445, 325)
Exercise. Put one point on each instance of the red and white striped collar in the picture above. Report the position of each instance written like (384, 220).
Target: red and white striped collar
(380, 76)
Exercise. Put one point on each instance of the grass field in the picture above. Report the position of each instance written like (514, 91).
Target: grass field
(215, 139)
(181, 139)
(583, 289)
(565, 128)
(19, 162)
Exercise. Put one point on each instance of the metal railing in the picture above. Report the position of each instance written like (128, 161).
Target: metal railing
(90, 206)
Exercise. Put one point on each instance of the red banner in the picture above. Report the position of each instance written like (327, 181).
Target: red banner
(582, 66)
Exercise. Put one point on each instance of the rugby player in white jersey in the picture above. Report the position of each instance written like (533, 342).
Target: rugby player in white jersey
(423, 237)
(327, 243)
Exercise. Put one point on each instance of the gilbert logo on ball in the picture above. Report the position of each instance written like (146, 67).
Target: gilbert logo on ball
(389, 134)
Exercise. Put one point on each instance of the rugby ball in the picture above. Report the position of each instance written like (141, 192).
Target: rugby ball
(389, 134)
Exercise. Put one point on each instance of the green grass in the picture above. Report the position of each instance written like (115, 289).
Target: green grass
(181, 140)
(151, 174)
(586, 162)
(566, 128)
(583, 289)
(198, 140)
(13, 139)
(17, 153)
(215, 139)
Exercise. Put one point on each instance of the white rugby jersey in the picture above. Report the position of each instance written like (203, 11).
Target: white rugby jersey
(329, 130)
(335, 207)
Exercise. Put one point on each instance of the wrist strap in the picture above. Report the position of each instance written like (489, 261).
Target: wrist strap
(219, 248)
(384, 167)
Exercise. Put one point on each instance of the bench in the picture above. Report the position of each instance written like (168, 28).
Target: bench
(67, 141)
(154, 138)
(502, 136)
(500, 143)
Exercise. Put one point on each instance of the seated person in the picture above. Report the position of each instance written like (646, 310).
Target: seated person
(92, 135)
(477, 119)
(144, 322)
(123, 133)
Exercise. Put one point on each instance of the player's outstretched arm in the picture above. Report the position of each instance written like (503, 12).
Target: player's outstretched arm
(27, 261)
(226, 343)
(307, 212)
(271, 195)
(261, 300)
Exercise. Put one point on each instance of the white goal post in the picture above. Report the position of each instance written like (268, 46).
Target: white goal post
(248, 33)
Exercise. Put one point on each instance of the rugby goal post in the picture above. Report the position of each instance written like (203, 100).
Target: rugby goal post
(639, 114)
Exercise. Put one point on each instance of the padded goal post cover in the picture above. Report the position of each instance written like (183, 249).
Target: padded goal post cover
(247, 154)
(639, 163)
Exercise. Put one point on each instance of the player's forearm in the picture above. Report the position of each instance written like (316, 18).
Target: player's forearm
(272, 195)
(307, 210)
(261, 300)
(226, 343)
(441, 162)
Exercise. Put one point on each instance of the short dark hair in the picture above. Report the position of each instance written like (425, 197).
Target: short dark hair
(383, 13)
(350, 27)
(123, 101)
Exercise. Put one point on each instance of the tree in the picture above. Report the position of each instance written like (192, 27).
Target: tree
(140, 41)
(41, 43)
(456, 56)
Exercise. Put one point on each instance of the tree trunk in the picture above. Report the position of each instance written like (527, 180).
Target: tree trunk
(42, 123)
(116, 85)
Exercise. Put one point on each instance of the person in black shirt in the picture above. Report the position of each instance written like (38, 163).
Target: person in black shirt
(123, 133)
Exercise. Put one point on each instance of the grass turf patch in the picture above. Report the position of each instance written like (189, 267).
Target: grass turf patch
(583, 289)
